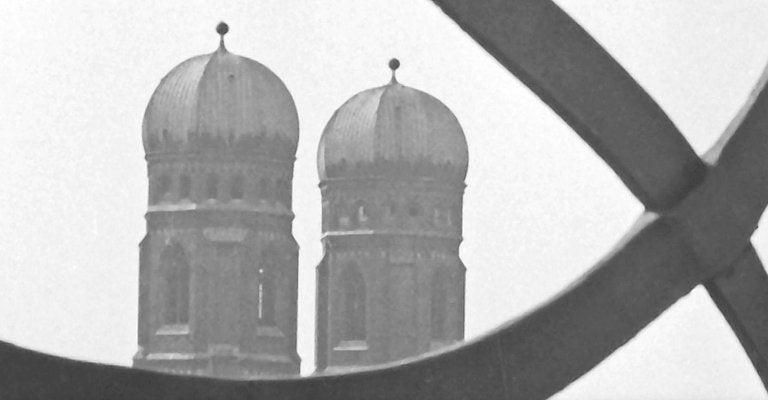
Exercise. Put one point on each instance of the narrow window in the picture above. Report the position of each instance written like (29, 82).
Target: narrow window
(284, 191)
(391, 209)
(455, 216)
(265, 312)
(279, 193)
(212, 187)
(362, 214)
(264, 190)
(163, 187)
(327, 216)
(413, 210)
(333, 219)
(236, 190)
(353, 304)
(185, 186)
(439, 304)
(359, 215)
(176, 274)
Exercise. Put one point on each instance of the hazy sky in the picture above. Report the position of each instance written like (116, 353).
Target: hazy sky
(540, 207)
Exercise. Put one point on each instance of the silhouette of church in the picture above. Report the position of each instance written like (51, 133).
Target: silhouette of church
(218, 266)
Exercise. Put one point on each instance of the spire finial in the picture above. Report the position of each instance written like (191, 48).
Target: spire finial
(394, 64)
(222, 28)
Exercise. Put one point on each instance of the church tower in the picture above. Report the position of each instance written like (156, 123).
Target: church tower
(392, 162)
(218, 265)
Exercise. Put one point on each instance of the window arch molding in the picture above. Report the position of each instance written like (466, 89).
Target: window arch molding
(163, 187)
(439, 303)
(212, 186)
(353, 304)
(237, 187)
(359, 214)
(176, 275)
(414, 209)
(267, 275)
(185, 186)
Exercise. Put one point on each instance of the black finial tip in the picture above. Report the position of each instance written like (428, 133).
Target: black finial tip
(394, 64)
(222, 28)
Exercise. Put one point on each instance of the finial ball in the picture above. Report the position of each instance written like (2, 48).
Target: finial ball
(394, 64)
(222, 28)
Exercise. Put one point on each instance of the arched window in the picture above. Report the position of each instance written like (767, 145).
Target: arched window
(333, 220)
(185, 186)
(437, 217)
(266, 292)
(414, 209)
(176, 274)
(327, 217)
(455, 216)
(212, 187)
(439, 304)
(236, 188)
(359, 215)
(391, 209)
(264, 189)
(342, 215)
(282, 191)
(353, 304)
(163, 187)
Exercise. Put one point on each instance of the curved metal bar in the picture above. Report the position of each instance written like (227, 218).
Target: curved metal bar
(581, 82)
(740, 157)
(741, 294)
(661, 259)
(742, 151)
(540, 44)
(531, 358)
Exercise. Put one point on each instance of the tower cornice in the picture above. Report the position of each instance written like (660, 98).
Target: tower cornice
(365, 182)
(372, 233)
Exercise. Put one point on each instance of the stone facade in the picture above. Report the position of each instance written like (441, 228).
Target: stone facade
(402, 240)
(233, 244)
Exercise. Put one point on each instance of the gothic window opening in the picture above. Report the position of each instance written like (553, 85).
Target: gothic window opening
(265, 312)
(353, 304)
(414, 210)
(439, 304)
(437, 217)
(262, 188)
(236, 191)
(176, 274)
(391, 209)
(267, 189)
(333, 220)
(185, 186)
(455, 216)
(359, 216)
(212, 187)
(326, 216)
(163, 187)
(283, 188)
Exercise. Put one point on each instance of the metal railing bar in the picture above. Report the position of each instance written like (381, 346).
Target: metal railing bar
(741, 294)
(560, 62)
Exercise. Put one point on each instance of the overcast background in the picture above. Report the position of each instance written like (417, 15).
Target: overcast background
(540, 207)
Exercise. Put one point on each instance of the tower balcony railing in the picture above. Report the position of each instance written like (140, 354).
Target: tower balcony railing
(701, 214)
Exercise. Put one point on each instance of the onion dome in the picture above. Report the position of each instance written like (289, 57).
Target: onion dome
(221, 102)
(393, 131)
